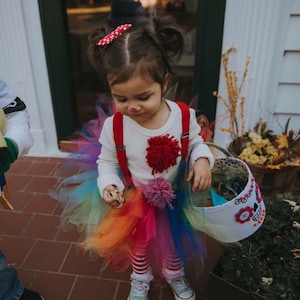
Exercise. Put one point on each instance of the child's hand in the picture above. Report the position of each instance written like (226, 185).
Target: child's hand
(201, 174)
(113, 197)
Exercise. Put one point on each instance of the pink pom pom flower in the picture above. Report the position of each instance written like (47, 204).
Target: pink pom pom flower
(159, 193)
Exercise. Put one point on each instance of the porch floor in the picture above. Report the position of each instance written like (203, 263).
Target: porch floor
(48, 259)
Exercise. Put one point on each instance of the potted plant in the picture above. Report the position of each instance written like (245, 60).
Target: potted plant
(274, 159)
(267, 264)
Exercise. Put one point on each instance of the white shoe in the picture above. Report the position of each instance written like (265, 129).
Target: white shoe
(181, 289)
(139, 290)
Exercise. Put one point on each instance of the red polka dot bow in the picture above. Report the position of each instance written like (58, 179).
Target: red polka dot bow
(113, 35)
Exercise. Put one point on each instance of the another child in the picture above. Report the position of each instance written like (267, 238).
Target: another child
(15, 128)
(151, 154)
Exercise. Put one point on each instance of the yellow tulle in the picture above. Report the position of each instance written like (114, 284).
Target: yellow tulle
(200, 223)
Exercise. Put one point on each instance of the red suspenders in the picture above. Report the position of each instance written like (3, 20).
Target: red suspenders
(185, 111)
(121, 154)
(118, 136)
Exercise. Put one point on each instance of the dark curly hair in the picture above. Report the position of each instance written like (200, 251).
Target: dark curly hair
(151, 50)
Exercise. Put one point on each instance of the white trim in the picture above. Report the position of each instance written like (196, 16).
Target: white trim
(23, 67)
(45, 134)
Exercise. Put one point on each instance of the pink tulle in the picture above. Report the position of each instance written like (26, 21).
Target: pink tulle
(137, 224)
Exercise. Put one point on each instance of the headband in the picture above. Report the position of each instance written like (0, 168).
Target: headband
(113, 35)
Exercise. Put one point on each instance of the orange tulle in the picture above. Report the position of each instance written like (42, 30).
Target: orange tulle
(119, 231)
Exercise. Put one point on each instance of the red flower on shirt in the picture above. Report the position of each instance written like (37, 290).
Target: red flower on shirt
(163, 152)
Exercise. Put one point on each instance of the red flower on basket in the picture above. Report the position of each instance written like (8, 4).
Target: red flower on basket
(162, 153)
(159, 193)
(244, 215)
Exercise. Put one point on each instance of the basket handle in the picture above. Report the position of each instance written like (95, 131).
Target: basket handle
(226, 152)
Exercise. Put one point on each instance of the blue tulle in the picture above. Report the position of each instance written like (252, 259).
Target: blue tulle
(188, 242)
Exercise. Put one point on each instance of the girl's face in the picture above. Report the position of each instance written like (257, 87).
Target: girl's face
(140, 98)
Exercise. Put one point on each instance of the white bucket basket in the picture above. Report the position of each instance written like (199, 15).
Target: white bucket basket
(242, 210)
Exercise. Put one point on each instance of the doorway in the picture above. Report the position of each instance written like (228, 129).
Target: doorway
(75, 87)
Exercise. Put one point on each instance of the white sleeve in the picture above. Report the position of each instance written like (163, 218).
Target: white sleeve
(17, 123)
(18, 130)
(108, 165)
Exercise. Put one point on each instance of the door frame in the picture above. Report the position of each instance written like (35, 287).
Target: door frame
(211, 14)
(54, 27)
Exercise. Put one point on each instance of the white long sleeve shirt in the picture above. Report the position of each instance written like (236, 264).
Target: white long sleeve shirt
(17, 123)
(136, 142)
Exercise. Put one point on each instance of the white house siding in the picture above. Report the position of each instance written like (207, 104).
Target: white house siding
(288, 97)
(268, 32)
